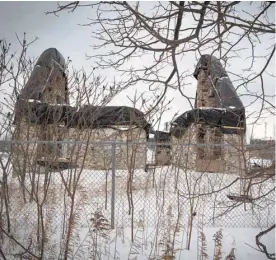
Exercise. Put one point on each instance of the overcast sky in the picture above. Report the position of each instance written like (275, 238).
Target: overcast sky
(72, 40)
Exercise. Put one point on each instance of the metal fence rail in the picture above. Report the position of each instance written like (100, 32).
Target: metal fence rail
(129, 198)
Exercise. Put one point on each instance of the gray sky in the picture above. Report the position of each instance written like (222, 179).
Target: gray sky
(72, 40)
(61, 32)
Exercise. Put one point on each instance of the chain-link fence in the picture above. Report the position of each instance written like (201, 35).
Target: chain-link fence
(60, 205)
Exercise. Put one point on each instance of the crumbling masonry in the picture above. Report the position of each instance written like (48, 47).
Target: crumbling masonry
(43, 113)
(208, 138)
(216, 125)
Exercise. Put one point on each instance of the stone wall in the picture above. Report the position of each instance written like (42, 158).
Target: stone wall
(46, 84)
(24, 154)
(235, 155)
(210, 158)
(205, 92)
(183, 150)
(89, 156)
(56, 94)
(51, 84)
(162, 155)
(225, 159)
(99, 156)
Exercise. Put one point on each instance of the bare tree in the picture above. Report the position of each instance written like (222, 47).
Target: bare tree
(36, 188)
(168, 34)
(166, 37)
(261, 246)
(85, 88)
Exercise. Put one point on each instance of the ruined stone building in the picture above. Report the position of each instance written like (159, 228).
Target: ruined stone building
(43, 113)
(210, 137)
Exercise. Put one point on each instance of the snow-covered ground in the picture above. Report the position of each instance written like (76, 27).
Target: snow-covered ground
(158, 209)
(242, 239)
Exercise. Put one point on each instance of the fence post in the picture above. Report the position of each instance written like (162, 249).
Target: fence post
(113, 185)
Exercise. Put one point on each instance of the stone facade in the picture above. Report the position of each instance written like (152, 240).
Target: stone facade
(205, 92)
(27, 155)
(183, 150)
(48, 85)
(162, 148)
(24, 154)
(93, 153)
(235, 155)
(162, 155)
(188, 153)
(194, 150)
(97, 153)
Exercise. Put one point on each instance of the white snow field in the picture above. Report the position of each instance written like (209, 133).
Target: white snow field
(157, 211)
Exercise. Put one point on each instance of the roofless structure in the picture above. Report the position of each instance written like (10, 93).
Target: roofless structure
(217, 124)
(43, 113)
